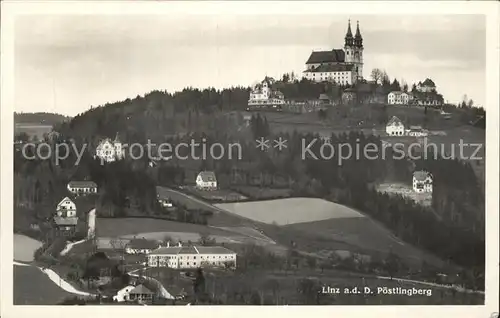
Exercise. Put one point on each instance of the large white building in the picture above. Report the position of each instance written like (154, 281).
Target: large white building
(422, 182)
(65, 217)
(398, 98)
(110, 151)
(344, 66)
(264, 95)
(184, 257)
(395, 127)
(82, 187)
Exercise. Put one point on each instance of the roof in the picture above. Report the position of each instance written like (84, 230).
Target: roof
(142, 243)
(59, 220)
(207, 176)
(429, 82)
(416, 127)
(65, 199)
(398, 93)
(141, 289)
(175, 250)
(324, 96)
(394, 121)
(349, 90)
(332, 68)
(333, 56)
(82, 184)
(421, 175)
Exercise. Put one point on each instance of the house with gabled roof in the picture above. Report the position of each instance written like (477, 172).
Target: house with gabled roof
(141, 246)
(141, 294)
(65, 218)
(206, 180)
(395, 127)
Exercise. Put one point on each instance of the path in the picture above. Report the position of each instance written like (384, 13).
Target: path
(69, 246)
(58, 280)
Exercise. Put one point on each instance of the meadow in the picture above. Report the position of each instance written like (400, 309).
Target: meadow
(25, 247)
(32, 129)
(290, 211)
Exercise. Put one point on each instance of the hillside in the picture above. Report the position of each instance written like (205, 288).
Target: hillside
(40, 118)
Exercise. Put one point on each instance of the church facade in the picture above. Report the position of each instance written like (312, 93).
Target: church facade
(342, 66)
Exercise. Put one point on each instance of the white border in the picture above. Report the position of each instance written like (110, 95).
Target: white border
(490, 9)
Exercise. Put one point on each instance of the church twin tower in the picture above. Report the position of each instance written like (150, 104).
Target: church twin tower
(353, 48)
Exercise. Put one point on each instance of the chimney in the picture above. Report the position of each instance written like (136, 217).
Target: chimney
(180, 245)
(168, 244)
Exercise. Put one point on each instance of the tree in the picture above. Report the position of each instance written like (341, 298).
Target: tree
(377, 75)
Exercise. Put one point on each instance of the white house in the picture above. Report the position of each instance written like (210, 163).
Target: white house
(422, 182)
(395, 127)
(65, 217)
(184, 257)
(141, 246)
(123, 294)
(110, 151)
(417, 131)
(263, 95)
(66, 208)
(206, 180)
(82, 187)
(398, 98)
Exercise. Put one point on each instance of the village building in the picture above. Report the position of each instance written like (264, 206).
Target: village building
(398, 98)
(65, 219)
(110, 151)
(123, 294)
(395, 127)
(349, 96)
(422, 182)
(263, 96)
(416, 131)
(184, 257)
(82, 187)
(206, 180)
(342, 66)
(141, 246)
(428, 99)
(141, 294)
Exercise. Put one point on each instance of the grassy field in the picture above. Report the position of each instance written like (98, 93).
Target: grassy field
(32, 129)
(258, 193)
(24, 247)
(290, 211)
(32, 287)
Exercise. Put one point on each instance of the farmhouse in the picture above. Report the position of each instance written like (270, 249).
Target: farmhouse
(141, 246)
(343, 66)
(192, 257)
(395, 127)
(206, 180)
(422, 181)
(110, 151)
(398, 98)
(65, 219)
(82, 187)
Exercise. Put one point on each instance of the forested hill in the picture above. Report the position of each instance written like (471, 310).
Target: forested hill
(156, 114)
(40, 118)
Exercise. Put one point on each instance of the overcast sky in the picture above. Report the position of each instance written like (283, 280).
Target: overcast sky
(65, 64)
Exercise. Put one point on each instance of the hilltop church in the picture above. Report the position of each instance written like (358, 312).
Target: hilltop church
(343, 66)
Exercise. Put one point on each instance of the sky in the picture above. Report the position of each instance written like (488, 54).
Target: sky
(66, 64)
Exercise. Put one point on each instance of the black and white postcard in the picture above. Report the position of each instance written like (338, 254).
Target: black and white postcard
(330, 156)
